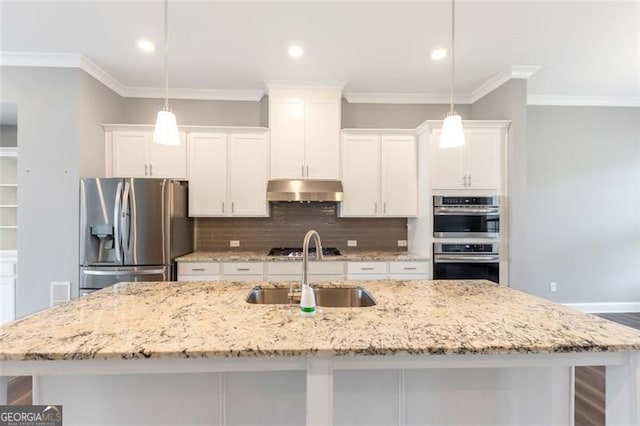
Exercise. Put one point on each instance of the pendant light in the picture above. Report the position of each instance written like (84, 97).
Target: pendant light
(166, 131)
(452, 131)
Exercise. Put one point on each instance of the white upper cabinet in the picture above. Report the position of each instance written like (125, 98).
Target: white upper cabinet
(475, 165)
(228, 174)
(207, 174)
(248, 174)
(379, 174)
(399, 184)
(132, 153)
(360, 175)
(305, 133)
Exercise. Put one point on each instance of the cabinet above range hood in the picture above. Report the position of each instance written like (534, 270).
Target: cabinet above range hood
(304, 190)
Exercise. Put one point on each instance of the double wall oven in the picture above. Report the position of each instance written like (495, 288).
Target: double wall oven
(466, 230)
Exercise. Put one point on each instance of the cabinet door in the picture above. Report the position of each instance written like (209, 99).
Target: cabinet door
(168, 161)
(322, 139)
(483, 158)
(360, 176)
(207, 174)
(399, 188)
(248, 174)
(446, 164)
(130, 153)
(287, 138)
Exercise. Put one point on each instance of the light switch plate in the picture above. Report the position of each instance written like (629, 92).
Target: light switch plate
(234, 243)
(402, 243)
(352, 243)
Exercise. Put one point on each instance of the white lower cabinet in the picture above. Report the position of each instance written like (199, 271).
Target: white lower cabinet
(367, 270)
(198, 271)
(292, 271)
(242, 271)
(409, 270)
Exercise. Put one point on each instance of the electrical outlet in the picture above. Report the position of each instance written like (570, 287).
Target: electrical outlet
(352, 243)
(553, 286)
(402, 243)
(234, 243)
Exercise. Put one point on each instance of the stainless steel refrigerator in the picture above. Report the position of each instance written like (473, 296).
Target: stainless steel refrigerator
(131, 230)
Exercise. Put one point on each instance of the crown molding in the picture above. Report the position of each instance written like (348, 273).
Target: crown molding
(75, 60)
(403, 98)
(603, 101)
(194, 94)
(290, 84)
(91, 68)
(510, 72)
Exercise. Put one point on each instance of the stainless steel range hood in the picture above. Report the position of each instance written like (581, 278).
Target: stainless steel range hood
(304, 190)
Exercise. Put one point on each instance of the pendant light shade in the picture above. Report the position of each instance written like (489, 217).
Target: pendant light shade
(452, 131)
(166, 130)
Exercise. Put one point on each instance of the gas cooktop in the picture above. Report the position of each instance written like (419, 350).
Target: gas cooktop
(297, 251)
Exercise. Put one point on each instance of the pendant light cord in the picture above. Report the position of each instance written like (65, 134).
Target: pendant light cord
(166, 55)
(453, 62)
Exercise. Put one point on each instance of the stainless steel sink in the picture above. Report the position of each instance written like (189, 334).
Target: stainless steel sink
(338, 297)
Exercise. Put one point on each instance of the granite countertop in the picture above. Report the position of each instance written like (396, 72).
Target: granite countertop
(211, 319)
(261, 256)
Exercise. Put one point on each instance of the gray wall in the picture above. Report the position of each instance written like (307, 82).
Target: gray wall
(195, 112)
(509, 102)
(48, 153)
(8, 136)
(59, 140)
(97, 104)
(583, 199)
(395, 116)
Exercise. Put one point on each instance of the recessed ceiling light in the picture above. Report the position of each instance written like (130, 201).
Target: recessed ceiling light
(438, 54)
(296, 51)
(146, 46)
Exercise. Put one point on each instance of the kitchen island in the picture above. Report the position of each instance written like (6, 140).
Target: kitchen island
(464, 352)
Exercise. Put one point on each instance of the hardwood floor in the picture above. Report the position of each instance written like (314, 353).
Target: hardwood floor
(589, 395)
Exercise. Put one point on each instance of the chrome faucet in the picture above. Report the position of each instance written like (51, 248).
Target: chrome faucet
(305, 261)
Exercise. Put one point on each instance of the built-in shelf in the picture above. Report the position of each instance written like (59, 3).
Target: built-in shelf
(8, 227)
(9, 206)
(10, 185)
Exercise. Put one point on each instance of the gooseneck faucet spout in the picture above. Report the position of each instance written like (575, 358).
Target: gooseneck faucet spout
(305, 254)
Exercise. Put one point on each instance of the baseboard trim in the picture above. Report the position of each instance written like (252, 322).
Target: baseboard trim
(608, 307)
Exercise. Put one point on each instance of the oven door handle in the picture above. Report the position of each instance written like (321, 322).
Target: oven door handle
(466, 259)
(465, 210)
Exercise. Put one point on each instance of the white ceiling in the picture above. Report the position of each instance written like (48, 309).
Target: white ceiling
(586, 50)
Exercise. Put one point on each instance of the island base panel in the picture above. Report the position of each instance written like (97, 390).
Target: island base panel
(537, 395)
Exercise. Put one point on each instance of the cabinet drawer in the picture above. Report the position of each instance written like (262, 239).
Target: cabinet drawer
(367, 268)
(326, 268)
(284, 268)
(408, 267)
(315, 268)
(198, 268)
(242, 268)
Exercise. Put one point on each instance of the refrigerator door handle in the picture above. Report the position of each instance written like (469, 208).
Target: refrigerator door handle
(125, 223)
(116, 220)
(144, 272)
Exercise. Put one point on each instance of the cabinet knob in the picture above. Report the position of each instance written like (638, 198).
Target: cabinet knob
(150, 169)
(146, 167)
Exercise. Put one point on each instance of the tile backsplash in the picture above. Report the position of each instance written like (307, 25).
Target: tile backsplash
(288, 224)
